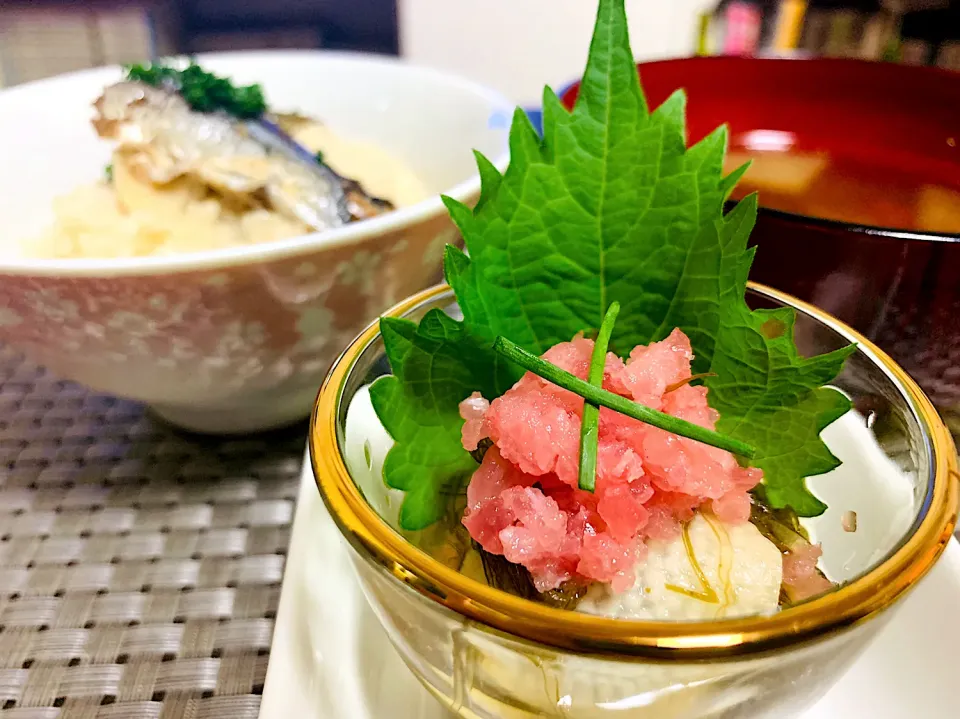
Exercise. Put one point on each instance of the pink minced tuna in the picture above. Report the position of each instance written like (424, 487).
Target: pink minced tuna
(523, 501)
(800, 575)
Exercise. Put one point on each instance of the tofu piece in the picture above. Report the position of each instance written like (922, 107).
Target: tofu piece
(938, 209)
(712, 571)
(785, 173)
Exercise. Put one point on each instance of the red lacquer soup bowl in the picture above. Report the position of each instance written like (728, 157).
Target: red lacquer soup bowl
(898, 282)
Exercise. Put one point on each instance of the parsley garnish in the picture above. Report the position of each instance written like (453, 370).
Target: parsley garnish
(203, 91)
(608, 206)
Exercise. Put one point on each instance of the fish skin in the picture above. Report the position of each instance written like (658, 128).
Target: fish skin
(165, 139)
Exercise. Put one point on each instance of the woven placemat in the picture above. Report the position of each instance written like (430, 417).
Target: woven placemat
(140, 568)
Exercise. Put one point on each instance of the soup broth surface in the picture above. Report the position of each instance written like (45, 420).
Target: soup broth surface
(819, 184)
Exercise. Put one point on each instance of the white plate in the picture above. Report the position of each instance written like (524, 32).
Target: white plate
(331, 660)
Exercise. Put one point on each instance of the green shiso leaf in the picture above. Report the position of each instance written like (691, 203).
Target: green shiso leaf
(436, 364)
(609, 206)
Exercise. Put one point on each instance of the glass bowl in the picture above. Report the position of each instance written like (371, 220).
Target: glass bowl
(485, 653)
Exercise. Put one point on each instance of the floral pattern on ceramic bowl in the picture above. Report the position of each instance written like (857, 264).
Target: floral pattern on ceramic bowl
(236, 340)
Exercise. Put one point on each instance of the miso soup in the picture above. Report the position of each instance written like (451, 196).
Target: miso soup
(822, 185)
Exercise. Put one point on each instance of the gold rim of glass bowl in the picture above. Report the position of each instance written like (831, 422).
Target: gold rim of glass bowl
(853, 603)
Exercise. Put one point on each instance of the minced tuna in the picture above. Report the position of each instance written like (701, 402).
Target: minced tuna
(523, 501)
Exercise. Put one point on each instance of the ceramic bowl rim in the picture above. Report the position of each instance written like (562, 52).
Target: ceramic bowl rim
(267, 252)
(860, 600)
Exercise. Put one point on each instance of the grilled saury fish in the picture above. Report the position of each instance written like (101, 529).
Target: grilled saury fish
(253, 162)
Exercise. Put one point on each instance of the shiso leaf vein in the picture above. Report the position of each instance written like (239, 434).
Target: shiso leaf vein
(609, 205)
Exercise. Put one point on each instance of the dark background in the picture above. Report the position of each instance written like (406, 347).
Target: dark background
(42, 38)
(369, 25)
